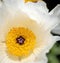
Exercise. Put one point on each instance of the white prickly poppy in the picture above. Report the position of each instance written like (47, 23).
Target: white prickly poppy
(25, 31)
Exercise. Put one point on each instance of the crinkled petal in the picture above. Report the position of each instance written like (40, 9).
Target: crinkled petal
(40, 14)
(40, 6)
(15, 5)
(36, 11)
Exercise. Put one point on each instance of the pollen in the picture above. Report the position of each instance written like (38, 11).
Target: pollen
(20, 41)
(31, 0)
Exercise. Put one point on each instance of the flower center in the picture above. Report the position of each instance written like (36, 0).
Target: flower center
(20, 41)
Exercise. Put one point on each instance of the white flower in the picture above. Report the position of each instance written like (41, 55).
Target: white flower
(29, 22)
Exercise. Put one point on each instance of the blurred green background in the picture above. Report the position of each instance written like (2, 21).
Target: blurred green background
(54, 54)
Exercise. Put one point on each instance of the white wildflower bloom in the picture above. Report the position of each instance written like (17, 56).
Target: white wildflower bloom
(25, 31)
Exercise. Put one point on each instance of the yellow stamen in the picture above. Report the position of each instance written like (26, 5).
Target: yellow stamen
(23, 35)
(31, 0)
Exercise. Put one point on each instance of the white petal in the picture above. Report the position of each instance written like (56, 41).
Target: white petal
(40, 6)
(13, 5)
(56, 30)
(49, 22)
(56, 12)
(16, 5)
(47, 44)
(10, 6)
(33, 10)
(39, 12)
(0, 3)
(36, 11)
(41, 58)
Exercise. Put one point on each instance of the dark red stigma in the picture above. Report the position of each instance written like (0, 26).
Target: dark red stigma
(20, 40)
